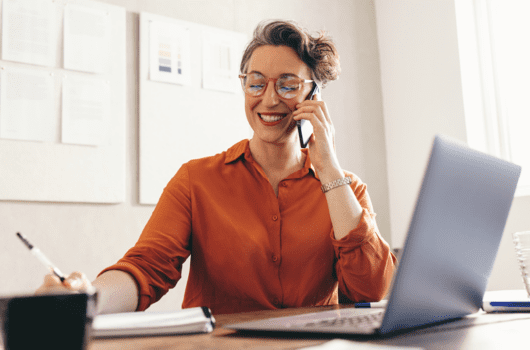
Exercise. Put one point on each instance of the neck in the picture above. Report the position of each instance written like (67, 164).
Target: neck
(276, 157)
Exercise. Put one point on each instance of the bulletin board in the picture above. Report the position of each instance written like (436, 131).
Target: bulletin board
(194, 119)
(53, 170)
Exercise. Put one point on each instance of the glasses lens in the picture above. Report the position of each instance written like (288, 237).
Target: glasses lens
(254, 84)
(288, 86)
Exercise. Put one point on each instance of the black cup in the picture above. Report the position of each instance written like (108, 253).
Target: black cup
(61, 321)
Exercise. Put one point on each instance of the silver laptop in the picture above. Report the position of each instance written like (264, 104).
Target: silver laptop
(454, 236)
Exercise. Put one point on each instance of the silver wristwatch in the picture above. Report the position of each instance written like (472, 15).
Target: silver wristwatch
(339, 182)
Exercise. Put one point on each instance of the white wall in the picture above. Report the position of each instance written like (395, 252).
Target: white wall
(89, 237)
(422, 95)
(421, 90)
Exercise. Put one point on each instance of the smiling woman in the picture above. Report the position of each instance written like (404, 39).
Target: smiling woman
(267, 111)
(266, 223)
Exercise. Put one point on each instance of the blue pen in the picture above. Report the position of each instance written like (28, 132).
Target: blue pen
(506, 306)
(376, 304)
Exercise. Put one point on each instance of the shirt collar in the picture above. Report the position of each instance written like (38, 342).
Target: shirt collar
(242, 150)
(308, 166)
(237, 150)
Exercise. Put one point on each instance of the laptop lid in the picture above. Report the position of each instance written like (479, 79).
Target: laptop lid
(453, 238)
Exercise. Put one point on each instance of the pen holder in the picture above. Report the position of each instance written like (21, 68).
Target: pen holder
(61, 321)
(522, 251)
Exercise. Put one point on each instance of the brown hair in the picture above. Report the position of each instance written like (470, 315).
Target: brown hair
(319, 52)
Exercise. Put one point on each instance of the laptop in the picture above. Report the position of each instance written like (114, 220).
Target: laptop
(448, 255)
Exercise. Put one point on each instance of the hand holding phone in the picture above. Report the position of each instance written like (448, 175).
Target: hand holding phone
(305, 128)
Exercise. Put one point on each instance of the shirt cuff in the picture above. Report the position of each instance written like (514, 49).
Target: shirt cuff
(144, 295)
(359, 235)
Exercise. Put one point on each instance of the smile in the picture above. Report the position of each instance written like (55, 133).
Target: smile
(271, 119)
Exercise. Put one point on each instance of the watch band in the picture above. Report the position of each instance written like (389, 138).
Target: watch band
(339, 182)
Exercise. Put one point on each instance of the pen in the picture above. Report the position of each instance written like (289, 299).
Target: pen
(506, 306)
(42, 258)
(376, 304)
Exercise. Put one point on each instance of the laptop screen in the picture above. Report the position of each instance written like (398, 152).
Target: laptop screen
(453, 236)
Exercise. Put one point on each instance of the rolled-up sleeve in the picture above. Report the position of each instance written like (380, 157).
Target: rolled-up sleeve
(155, 262)
(365, 264)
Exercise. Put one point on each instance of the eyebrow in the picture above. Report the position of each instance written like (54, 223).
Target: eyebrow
(254, 71)
(281, 75)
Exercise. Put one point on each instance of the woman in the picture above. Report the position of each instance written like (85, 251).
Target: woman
(267, 224)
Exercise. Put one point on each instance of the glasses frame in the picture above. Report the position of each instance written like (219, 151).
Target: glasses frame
(275, 80)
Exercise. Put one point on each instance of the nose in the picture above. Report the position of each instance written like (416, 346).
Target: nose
(270, 96)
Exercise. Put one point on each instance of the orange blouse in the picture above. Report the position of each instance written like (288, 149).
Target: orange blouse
(251, 250)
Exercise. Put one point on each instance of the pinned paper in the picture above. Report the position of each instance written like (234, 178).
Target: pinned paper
(86, 111)
(87, 34)
(169, 53)
(221, 55)
(26, 105)
(28, 33)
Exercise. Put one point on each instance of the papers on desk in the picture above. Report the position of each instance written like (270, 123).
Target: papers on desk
(340, 344)
(186, 321)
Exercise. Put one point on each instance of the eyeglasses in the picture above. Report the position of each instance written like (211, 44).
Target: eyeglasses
(287, 86)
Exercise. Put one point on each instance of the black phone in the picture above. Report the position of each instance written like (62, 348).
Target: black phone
(305, 128)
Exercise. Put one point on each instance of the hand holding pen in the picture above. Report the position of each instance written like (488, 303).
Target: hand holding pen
(56, 282)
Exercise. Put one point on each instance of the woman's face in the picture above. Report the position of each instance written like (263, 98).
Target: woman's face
(263, 111)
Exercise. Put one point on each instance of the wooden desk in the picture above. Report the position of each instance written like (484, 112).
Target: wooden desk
(479, 331)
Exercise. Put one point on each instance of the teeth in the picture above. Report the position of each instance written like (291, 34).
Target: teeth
(270, 118)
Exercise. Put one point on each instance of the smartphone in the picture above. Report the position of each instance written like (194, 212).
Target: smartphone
(305, 128)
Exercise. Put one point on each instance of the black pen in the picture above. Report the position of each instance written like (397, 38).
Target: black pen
(42, 258)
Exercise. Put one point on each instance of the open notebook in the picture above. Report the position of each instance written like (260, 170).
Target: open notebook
(185, 321)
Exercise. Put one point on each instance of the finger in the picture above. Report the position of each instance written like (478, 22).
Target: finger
(316, 119)
(307, 103)
(77, 275)
(311, 117)
(317, 107)
(316, 102)
(319, 127)
(305, 108)
(324, 108)
(310, 110)
(77, 281)
(51, 280)
(51, 284)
